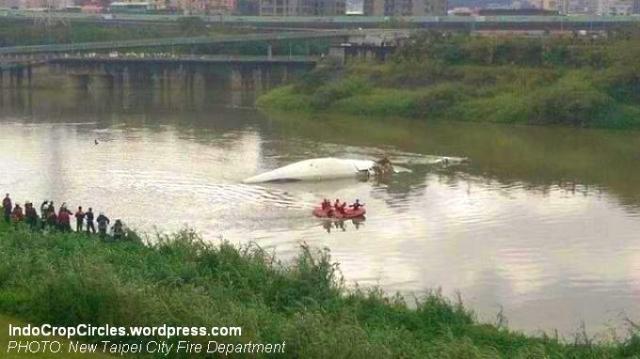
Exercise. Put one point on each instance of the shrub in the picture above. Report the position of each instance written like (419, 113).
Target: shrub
(572, 101)
(329, 93)
(438, 100)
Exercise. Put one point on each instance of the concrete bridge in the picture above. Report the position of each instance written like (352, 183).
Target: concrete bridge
(18, 63)
(160, 72)
(159, 59)
(199, 40)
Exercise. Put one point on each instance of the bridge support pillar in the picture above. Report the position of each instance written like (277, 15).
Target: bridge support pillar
(83, 82)
(257, 79)
(29, 75)
(235, 79)
(19, 75)
(269, 51)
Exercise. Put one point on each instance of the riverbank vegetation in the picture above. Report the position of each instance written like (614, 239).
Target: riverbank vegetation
(68, 278)
(577, 81)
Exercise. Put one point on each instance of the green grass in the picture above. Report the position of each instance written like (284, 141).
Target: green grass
(67, 279)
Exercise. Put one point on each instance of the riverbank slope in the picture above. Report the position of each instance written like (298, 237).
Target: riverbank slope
(66, 279)
(577, 81)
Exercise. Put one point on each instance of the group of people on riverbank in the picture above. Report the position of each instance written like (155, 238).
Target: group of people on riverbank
(60, 220)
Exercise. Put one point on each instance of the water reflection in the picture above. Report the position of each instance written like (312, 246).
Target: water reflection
(342, 225)
(540, 221)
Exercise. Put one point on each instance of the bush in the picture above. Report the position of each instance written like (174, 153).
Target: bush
(331, 92)
(438, 100)
(285, 98)
(572, 101)
(321, 75)
(622, 82)
(378, 102)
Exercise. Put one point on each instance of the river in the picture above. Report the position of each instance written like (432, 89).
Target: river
(542, 224)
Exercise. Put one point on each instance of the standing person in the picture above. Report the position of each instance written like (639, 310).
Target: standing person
(79, 219)
(63, 208)
(52, 219)
(17, 215)
(103, 223)
(7, 206)
(118, 230)
(90, 226)
(31, 215)
(64, 219)
(51, 209)
(44, 212)
(43, 208)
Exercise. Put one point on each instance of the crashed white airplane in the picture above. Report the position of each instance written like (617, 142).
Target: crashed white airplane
(316, 169)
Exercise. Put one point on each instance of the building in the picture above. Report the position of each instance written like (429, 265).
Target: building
(139, 5)
(405, 7)
(206, 7)
(41, 4)
(9, 3)
(247, 7)
(582, 7)
(302, 7)
(355, 7)
(615, 7)
(561, 6)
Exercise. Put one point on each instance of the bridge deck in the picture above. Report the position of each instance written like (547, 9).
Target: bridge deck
(209, 59)
(89, 46)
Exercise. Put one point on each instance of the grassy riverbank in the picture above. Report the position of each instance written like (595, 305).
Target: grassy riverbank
(570, 81)
(67, 279)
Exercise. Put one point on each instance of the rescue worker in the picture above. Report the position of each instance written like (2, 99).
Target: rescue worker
(103, 223)
(31, 215)
(52, 219)
(79, 219)
(118, 230)
(43, 208)
(17, 215)
(342, 209)
(90, 226)
(63, 208)
(51, 209)
(356, 205)
(64, 219)
(7, 207)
